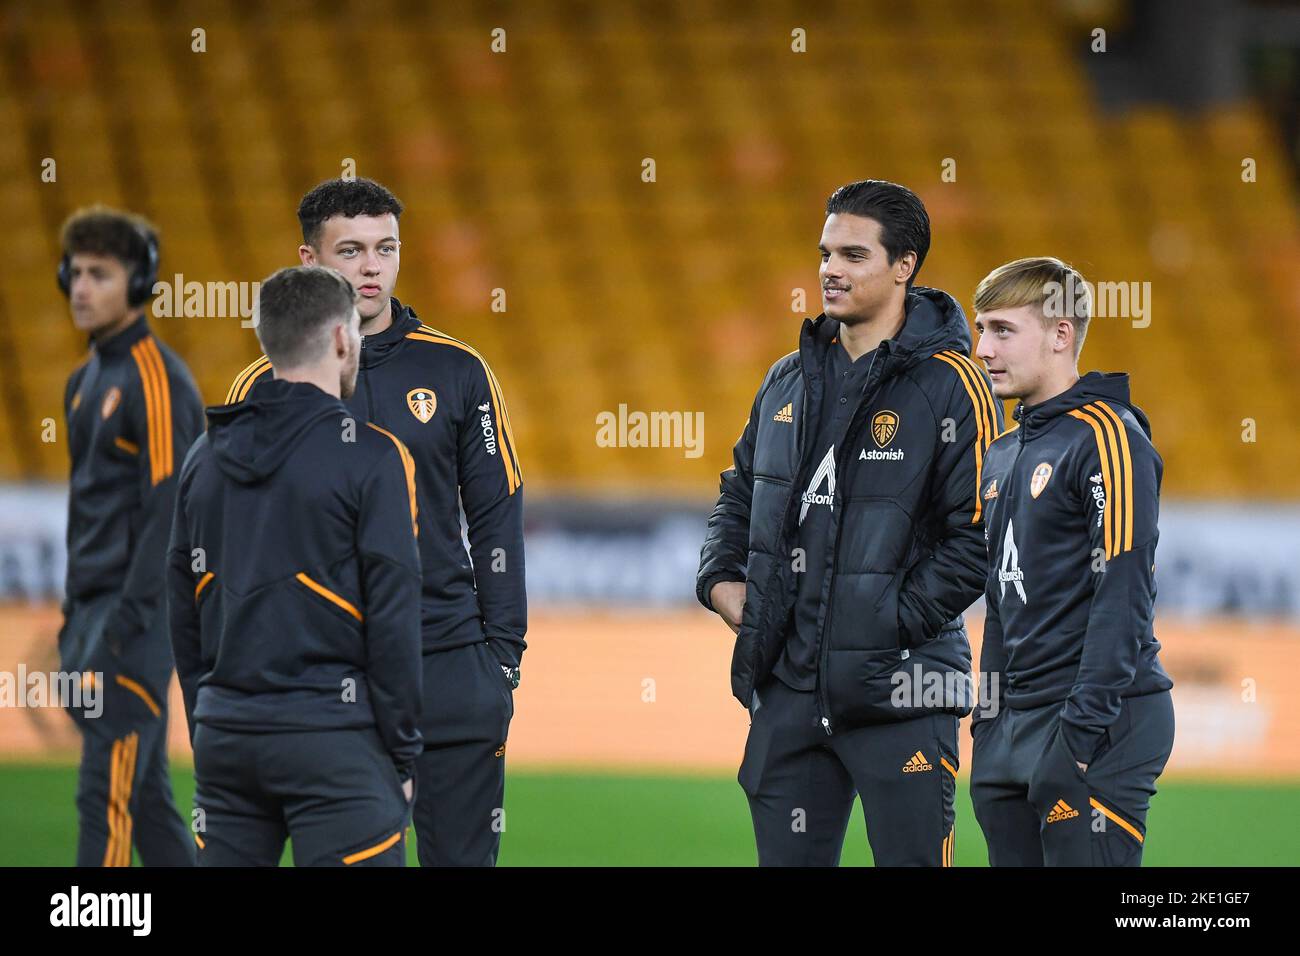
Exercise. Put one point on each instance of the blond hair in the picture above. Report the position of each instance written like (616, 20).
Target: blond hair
(1056, 287)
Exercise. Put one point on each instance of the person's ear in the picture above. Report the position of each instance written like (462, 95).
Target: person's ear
(341, 341)
(904, 268)
(307, 255)
(1064, 338)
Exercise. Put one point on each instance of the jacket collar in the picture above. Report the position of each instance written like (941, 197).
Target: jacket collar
(1095, 386)
(933, 322)
(382, 345)
(121, 343)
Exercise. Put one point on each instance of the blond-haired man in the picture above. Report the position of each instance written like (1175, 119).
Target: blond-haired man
(1081, 725)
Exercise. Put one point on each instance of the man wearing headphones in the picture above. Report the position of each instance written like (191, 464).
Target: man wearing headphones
(132, 411)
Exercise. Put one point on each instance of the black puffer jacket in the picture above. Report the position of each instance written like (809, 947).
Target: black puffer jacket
(908, 553)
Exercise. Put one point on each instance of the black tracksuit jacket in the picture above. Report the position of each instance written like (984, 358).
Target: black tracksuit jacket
(293, 580)
(906, 554)
(1072, 501)
(132, 411)
(440, 398)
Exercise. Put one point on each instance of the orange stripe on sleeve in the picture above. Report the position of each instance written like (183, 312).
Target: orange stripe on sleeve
(505, 436)
(150, 408)
(982, 436)
(1126, 458)
(983, 390)
(252, 380)
(164, 407)
(507, 428)
(252, 369)
(1117, 506)
(1108, 481)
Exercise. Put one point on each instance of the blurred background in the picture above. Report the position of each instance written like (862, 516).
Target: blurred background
(619, 206)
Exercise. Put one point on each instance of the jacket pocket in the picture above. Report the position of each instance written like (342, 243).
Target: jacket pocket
(1064, 759)
(1104, 746)
(498, 675)
(340, 604)
(859, 685)
(863, 613)
(882, 623)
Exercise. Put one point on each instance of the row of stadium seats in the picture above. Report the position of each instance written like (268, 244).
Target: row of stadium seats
(523, 171)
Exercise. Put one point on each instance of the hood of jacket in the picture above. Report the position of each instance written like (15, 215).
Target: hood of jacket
(251, 439)
(1095, 386)
(934, 322)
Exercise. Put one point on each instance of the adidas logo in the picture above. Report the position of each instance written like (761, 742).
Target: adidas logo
(1062, 811)
(786, 414)
(918, 764)
(992, 491)
(501, 751)
(1095, 479)
(485, 407)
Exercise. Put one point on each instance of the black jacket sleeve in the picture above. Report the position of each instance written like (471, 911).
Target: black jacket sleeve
(725, 553)
(165, 425)
(182, 581)
(1122, 536)
(492, 494)
(390, 584)
(945, 582)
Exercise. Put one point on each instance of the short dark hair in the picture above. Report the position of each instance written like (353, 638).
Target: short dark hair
(904, 223)
(295, 306)
(347, 198)
(101, 231)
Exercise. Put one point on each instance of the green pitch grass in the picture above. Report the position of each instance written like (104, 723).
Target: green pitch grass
(605, 819)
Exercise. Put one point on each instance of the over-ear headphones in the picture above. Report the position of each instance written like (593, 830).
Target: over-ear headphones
(139, 286)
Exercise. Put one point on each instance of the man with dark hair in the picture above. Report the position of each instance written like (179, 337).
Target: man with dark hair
(440, 398)
(132, 410)
(845, 545)
(294, 600)
(1081, 720)
(909, 223)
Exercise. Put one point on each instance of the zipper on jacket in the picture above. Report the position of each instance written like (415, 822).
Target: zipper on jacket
(361, 374)
(824, 650)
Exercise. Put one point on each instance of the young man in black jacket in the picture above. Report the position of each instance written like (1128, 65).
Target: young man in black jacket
(1082, 722)
(845, 545)
(439, 397)
(132, 411)
(294, 601)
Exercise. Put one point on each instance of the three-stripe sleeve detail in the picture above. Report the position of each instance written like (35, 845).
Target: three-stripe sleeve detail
(158, 407)
(505, 434)
(981, 398)
(1116, 474)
